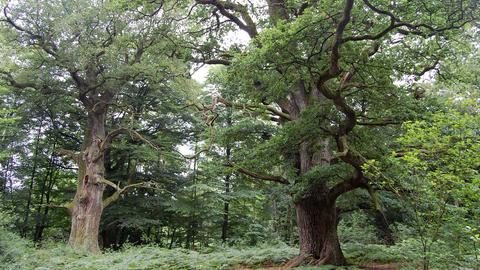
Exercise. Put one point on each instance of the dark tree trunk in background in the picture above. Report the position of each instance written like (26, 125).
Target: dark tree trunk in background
(226, 206)
(381, 223)
(41, 218)
(32, 180)
(226, 202)
(172, 238)
(87, 205)
(290, 225)
(193, 224)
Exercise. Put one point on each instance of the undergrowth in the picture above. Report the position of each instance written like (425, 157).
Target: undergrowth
(143, 257)
(17, 253)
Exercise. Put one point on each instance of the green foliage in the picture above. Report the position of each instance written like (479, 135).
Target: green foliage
(405, 251)
(138, 54)
(357, 228)
(12, 246)
(151, 257)
(439, 183)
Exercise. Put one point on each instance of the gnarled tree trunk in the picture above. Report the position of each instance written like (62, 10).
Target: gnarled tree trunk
(87, 204)
(317, 224)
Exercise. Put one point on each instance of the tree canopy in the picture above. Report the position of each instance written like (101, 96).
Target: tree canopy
(344, 129)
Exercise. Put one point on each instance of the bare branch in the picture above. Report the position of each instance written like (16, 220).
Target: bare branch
(43, 41)
(223, 7)
(269, 108)
(110, 183)
(67, 205)
(380, 123)
(214, 61)
(132, 133)
(16, 26)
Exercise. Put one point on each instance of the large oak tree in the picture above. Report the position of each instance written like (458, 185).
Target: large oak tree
(335, 75)
(92, 51)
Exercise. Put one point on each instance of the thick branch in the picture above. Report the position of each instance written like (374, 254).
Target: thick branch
(334, 69)
(356, 181)
(9, 78)
(119, 191)
(273, 178)
(16, 26)
(269, 108)
(215, 62)
(67, 205)
(69, 153)
(380, 123)
(42, 40)
(132, 133)
(223, 7)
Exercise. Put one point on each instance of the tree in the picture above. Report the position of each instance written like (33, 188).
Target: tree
(92, 51)
(437, 164)
(440, 163)
(328, 73)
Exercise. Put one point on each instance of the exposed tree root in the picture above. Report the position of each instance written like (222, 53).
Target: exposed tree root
(306, 260)
(297, 261)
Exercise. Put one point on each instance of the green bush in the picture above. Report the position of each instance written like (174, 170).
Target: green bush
(357, 228)
(12, 246)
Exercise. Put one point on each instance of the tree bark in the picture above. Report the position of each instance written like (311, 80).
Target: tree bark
(226, 203)
(87, 206)
(317, 224)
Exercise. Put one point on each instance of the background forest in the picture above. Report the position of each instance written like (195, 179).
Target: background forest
(232, 134)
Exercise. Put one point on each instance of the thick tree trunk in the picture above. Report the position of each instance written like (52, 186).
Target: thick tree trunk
(317, 224)
(87, 204)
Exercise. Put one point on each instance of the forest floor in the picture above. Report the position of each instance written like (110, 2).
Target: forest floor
(365, 266)
(17, 253)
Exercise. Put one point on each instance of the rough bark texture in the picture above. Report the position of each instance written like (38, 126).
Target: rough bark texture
(87, 204)
(315, 210)
(317, 223)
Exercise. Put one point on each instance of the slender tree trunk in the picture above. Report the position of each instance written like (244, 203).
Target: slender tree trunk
(317, 224)
(226, 202)
(51, 182)
(5, 174)
(172, 238)
(32, 180)
(131, 170)
(87, 205)
(41, 218)
(275, 215)
(290, 225)
(226, 206)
